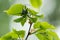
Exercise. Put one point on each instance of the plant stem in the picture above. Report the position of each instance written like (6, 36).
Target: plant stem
(29, 30)
(19, 38)
(35, 31)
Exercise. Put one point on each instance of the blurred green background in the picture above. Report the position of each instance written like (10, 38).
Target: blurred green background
(54, 17)
(4, 18)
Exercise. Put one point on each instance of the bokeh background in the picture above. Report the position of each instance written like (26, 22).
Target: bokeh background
(50, 9)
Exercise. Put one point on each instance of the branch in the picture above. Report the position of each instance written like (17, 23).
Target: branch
(35, 31)
(29, 30)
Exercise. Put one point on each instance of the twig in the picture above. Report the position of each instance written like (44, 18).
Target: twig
(29, 30)
(35, 31)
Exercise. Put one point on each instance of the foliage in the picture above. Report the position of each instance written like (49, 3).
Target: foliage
(36, 3)
(13, 35)
(15, 9)
(43, 30)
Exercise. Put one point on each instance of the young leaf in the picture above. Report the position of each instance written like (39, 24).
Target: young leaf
(14, 35)
(36, 25)
(50, 37)
(39, 16)
(32, 12)
(53, 34)
(42, 36)
(18, 19)
(39, 36)
(15, 9)
(20, 33)
(45, 25)
(23, 21)
(6, 37)
(9, 36)
(33, 20)
(24, 12)
(36, 3)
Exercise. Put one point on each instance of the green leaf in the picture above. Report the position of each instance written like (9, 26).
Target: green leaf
(15, 9)
(9, 36)
(45, 25)
(32, 12)
(14, 35)
(39, 36)
(53, 34)
(18, 19)
(33, 20)
(50, 37)
(41, 31)
(6, 37)
(24, 12)
(40, 16)
(43, 35)
(23, 21)
(20, 33)
(36, 3)
(36, 25)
